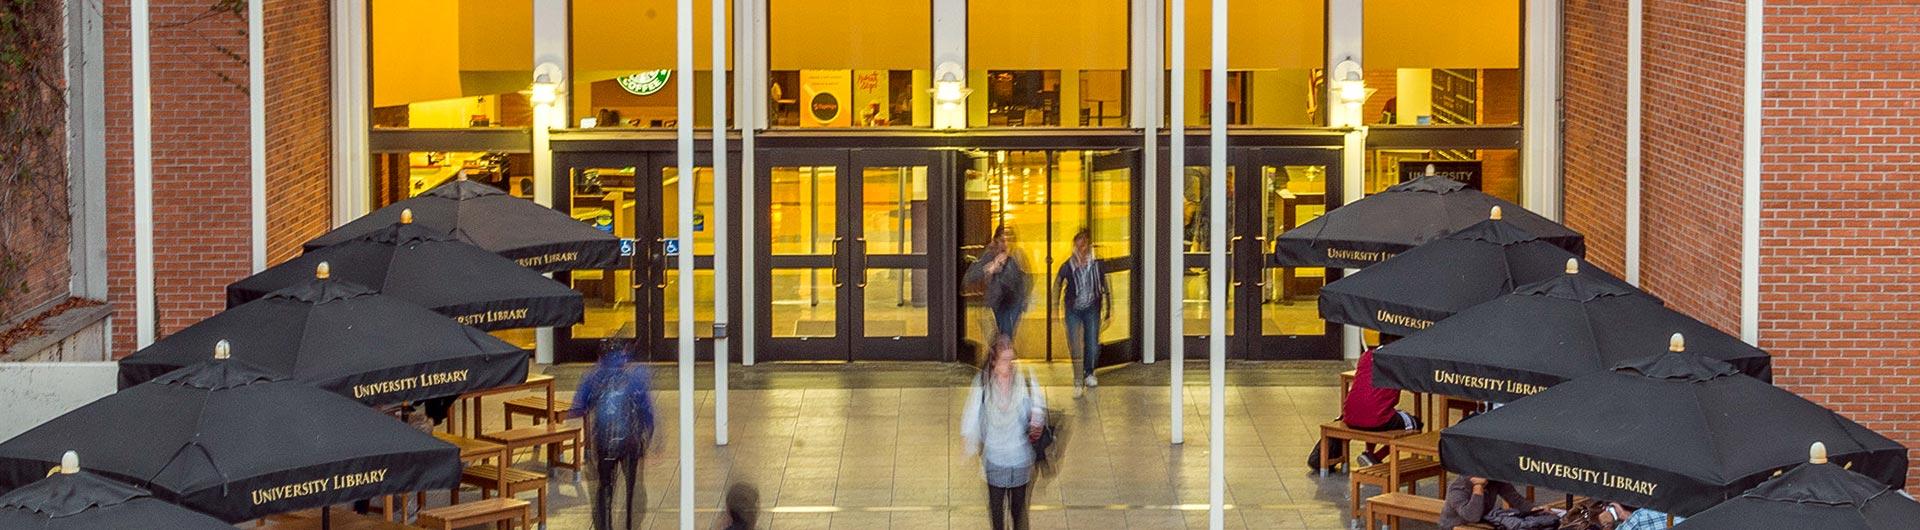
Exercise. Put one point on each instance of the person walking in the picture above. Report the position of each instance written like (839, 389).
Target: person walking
(1002, 274)
(1083, 291)
(1004, 415)
(617, 401)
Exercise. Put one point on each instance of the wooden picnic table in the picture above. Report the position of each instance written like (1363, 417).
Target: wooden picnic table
(475, 451)
(1423, 444)
(471, 403)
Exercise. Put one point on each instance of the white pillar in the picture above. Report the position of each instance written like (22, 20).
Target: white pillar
(1344, 36)
(351, 197)
(1146, 115)
(1636, 38)
(257, 130)
(1217, 282)
(751, 77)
(683, 38)
(1750, 150)
(1541, 154)
(549, 59)
(721, 277)
(143, 310)
(1176, 204)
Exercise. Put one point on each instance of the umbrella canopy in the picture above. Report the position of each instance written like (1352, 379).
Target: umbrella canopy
(234, 441)
(1675, 432)
(431, 269)
(535, 236)
(75, 500)
(347, 339)
(1547, 333)
(1814, 495)
(1404, 216)
(1422, 286)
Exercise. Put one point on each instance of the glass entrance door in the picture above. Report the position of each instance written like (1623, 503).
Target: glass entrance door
(848, 274)
(636, 196)
(1273, 312)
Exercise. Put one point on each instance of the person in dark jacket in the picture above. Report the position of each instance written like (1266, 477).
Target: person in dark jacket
(616, 399)
(1470, 499)
(1002, 274)
(1083, 291)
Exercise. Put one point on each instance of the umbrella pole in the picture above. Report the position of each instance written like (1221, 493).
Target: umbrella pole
(326, 517)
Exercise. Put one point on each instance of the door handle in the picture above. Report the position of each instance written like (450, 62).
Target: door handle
(835, 268)
(662, 284)
(865, 258)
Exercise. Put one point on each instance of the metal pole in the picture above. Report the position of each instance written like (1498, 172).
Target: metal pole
(719, 221)
(683, 32)
(144, 314)
(1151, 161)
(257, 134)
(1176, 202)
(752, 77)
(1217, 282)
(1636, 38)
(1750, 151)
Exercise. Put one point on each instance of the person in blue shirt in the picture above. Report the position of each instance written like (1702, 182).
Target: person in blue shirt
(616, 398)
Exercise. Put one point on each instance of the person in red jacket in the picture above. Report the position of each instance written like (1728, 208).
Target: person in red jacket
(1371, 408)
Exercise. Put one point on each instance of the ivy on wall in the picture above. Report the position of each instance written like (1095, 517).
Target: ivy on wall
(33, 209)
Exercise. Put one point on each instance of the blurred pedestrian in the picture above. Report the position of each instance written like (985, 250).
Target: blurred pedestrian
(742, 509)
(616, 400)
(1082, 288)
(1001, 273)
(1005, 414)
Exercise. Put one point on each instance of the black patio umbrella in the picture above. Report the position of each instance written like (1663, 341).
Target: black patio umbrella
(344, 338)
(1404, 216)
(431, 269)
(1466, 268)
(72, 499)
(1675, 432)
(1815, 495)
(1547, 333)
(535, 236)
(236, 442)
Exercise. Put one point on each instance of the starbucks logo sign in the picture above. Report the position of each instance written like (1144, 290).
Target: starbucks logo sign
(645, 83)
(825, 107)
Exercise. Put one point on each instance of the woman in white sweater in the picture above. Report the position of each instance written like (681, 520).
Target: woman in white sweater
(1004, 415)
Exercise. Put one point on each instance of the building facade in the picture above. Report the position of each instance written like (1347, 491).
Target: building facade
(874, 146)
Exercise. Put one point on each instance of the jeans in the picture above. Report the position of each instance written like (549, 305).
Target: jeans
(1006, 322)
(1083, 338)
(606, 469)
(998, 500)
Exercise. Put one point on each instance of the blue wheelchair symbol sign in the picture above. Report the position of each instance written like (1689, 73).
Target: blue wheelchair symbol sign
(626, 248)
(673, 247)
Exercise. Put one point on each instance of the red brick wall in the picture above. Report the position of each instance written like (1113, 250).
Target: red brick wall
(200, 183)
(1593, 159)
(34, 225)
(1690, 177)
(299, 125)
(1840, 213)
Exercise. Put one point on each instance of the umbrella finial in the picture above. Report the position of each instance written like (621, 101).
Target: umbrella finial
(1817, 454)
(1430, 170)
(406, 216)
(70, 463)
(222, 350)
(1573, 266)
(1677, 343)
(460, 175)
(324, 271)
(1495, 215)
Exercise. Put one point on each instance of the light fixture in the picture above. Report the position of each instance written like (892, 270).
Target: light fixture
(950, 96)
(546, 84)
(1352, 85)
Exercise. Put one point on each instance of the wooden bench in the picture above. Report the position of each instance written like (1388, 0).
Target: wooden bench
(1337, 430)
(1392, 506)
(535, 407)
(1412, 471)
(488, 479)
(555, 438)
(495, 510)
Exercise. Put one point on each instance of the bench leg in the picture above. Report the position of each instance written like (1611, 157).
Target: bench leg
(1324, 456)
(1354, 488)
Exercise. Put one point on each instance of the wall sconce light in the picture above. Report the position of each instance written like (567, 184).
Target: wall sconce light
(1351, 84)
(950, 96)
(546, 84)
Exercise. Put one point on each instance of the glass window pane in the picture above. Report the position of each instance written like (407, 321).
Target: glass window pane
(623, 63)
(1195, 304)
(1289, 297)
(896, 303)
(1119, 325)
(1274, 70)
(804, 303)
(802, 220)
(1499, 168)
(702, 207)
(1461, 74)
(451, 63)
(702, 303)
(1198, 236)
(849, 63)
(399, 176)
(893, 212)
(603, 197)
(1023, 77)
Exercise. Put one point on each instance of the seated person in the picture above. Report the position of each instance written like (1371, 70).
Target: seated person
(1470, 499)
(1370, 408)
(1623, 517)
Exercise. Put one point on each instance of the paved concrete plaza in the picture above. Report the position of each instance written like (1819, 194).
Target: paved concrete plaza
(876, 445)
